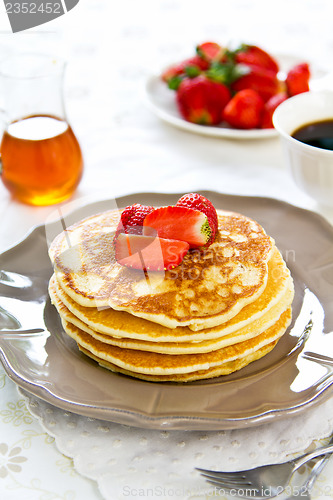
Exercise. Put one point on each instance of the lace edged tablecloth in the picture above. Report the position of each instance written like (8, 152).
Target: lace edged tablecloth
(129, 462)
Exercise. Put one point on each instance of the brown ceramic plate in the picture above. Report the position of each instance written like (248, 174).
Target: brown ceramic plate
(39, 357)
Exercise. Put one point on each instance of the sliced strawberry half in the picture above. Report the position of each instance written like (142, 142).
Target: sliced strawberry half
(178, 223)
(149, 253)
(199, 202)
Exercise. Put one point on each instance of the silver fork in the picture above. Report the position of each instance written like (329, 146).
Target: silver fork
(303, 491)
(321, 358)
(263, 482)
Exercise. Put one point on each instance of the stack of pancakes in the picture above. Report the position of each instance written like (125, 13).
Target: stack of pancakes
(222, 308)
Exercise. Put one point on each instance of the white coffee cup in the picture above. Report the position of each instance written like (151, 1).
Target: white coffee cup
(311, 166)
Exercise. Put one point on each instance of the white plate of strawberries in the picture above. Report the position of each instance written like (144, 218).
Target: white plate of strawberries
(225, 92)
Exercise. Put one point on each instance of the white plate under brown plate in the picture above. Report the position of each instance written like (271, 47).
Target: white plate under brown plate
(41, 358)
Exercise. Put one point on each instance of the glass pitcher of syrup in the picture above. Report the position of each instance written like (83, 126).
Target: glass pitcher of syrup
(41, 159)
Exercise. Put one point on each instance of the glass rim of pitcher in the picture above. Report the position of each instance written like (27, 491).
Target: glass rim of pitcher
(45, 66)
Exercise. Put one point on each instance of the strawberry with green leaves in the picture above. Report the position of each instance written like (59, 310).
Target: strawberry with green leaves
(244, 110)
(132, 217)
(189, 68)
(252, 55)
(211, 52)
(201, 100)
(205, 84)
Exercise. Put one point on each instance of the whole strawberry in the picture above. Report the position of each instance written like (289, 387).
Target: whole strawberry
(270, 107)
(199, 202)
(132, 217)
(259, 79)
(188, 66)
(297, 80)
(210, 51)
(244, 110)
(201, 100)
(252, 55)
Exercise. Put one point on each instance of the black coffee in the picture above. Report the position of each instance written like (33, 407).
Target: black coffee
(317, 134)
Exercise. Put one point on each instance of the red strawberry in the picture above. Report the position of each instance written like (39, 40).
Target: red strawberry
(210, 51)
(259, 79)
(270, 107)
(251, 55)
(297, 80)
(149, 252)
(201, 100)
(132, 217)
(178, 223)
(183, 67)
(199, 202)
(244, 110)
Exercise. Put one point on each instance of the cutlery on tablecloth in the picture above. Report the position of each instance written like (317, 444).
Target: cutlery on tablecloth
(304, 490)
(266, 481)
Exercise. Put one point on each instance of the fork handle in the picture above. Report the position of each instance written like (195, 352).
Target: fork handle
(317, 469)
(315, 472)
(303, 459)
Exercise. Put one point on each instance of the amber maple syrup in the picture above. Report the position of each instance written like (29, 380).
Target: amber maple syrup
(41, 158)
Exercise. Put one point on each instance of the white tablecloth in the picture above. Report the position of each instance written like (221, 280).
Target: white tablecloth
(112, 47)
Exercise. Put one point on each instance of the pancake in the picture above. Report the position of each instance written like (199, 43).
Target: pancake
(241, 335)
(207, 289)
(222, 308)
(122, 324)
(252, 329)
(177, 367)
(216, 371)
